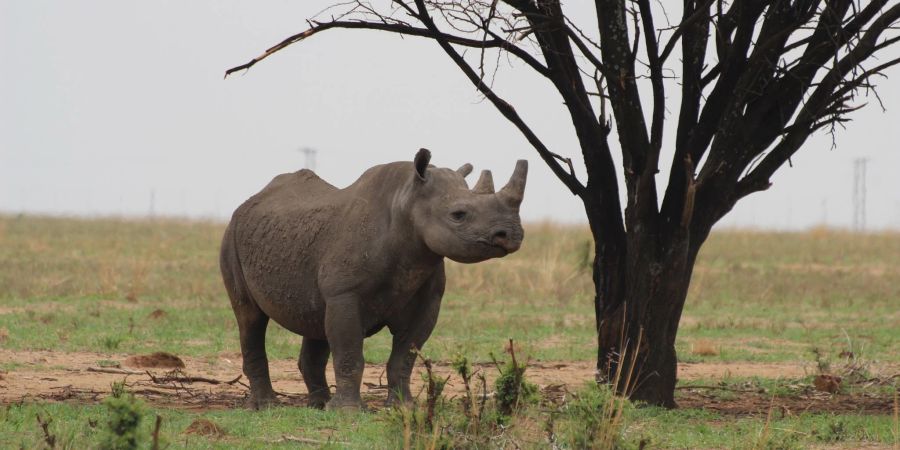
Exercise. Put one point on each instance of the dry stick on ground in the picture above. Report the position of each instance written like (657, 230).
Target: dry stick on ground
(114, 370)
(303, 440)
(171, 378)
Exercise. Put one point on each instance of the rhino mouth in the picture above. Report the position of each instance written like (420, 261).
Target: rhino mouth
(492, 245)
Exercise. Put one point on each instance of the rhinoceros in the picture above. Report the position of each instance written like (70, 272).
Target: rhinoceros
(337, 265)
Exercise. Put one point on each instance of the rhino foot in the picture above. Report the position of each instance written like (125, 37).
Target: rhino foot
(402, 401)
(345, 404)
(318, 399)
(259, 402)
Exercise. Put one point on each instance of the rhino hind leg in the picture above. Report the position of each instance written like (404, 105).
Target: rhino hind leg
(252, 326)
(313, 359)
(252, 323)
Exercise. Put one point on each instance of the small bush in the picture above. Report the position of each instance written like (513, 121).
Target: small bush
(125, 413)
(835, 431)
(595, 419)
(512, 389)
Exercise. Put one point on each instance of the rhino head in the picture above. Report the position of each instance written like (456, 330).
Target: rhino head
(466, 225)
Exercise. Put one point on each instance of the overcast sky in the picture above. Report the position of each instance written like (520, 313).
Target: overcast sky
(114, 108)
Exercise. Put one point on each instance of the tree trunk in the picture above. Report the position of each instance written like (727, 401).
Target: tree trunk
(641, 289)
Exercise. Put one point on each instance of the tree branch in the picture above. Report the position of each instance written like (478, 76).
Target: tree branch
(398, 29)
(505, 108)
(827, 98)
(702, 12)
(656, 80)
(695, 38)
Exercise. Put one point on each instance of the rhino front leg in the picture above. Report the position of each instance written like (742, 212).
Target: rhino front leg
(344, 330)
(313, 359)
(410, 334)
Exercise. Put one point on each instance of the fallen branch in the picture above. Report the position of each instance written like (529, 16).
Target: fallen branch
(303, 440)
(188, 379)
(114, 370)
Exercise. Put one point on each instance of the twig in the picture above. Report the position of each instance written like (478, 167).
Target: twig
(303, 440)
(374, 386)
(189, 379)
(114, 370)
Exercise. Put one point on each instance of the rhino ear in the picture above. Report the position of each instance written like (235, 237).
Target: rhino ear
(423, 156)
(465, 170)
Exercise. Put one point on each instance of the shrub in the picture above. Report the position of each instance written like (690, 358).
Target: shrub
(125, 413)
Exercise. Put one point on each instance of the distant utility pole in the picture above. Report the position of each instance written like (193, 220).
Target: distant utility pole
(310, 160)
(859, 194)
(152, 203)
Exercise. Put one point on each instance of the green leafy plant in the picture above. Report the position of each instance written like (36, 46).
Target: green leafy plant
(512, 388)
(125, 413)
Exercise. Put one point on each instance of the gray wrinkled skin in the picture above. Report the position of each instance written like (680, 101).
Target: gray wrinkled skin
(338, 265)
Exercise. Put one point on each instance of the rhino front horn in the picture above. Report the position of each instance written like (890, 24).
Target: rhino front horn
(485, 184)
(514, 190)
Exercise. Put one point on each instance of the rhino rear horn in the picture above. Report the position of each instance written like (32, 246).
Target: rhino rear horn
(514, 190)
(465, 170)
(485, 184)
(423, 156)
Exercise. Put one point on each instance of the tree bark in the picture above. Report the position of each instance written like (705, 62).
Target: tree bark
(641, 290)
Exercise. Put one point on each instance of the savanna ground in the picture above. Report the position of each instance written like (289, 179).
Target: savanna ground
(767, 314)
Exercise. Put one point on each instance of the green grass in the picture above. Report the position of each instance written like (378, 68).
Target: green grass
(92, 285)
(81, 426)
(703, 429)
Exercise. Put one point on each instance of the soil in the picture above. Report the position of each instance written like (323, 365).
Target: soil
(216, 383)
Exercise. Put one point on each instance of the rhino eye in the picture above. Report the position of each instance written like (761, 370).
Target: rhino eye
(458, 216)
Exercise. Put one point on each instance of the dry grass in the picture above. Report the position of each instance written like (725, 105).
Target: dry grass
(553, 266)
(44, 257)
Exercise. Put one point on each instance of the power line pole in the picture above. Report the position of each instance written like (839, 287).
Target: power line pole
(310, 158)
(152, 203)
(859, 194)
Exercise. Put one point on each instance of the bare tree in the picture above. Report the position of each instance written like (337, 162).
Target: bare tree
(756, 79)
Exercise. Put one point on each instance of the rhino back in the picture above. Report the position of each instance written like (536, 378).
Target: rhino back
(278, 234)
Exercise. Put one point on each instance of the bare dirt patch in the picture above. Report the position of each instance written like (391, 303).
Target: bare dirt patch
(204, 384)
